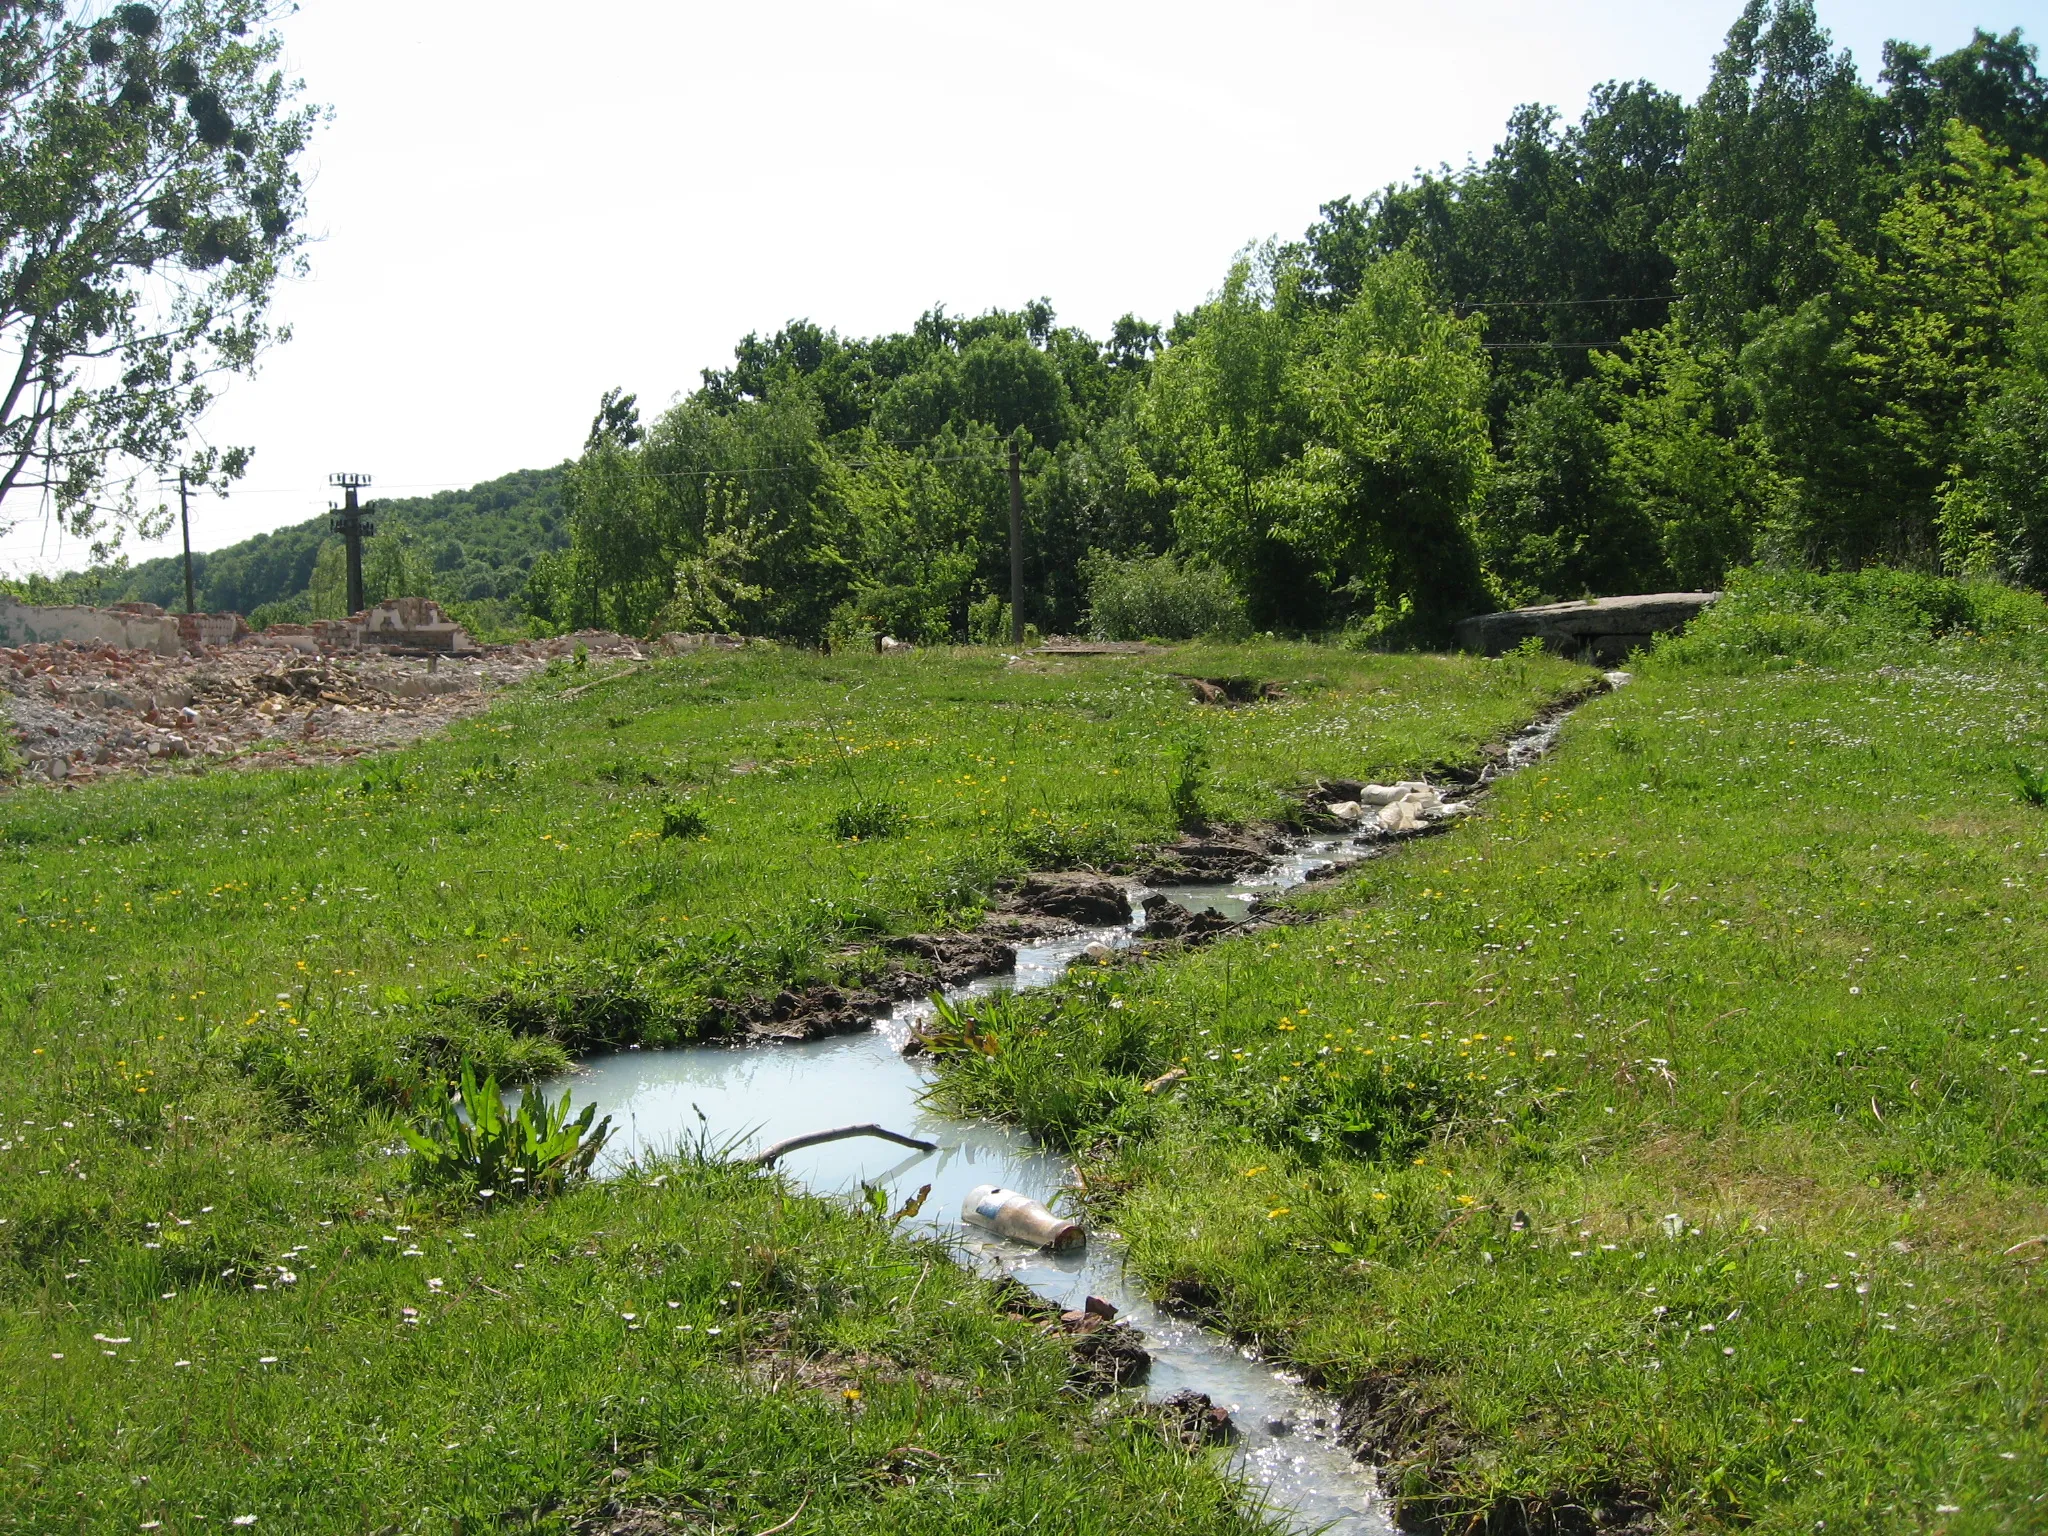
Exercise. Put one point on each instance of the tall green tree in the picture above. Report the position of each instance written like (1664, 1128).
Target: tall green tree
(151, 199)
(1227, 399)
(1784, 155)
(1398, 395)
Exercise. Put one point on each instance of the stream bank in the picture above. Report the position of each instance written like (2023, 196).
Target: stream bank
(1287, 1442)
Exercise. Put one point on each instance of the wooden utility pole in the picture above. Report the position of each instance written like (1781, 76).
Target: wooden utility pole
(1016, 546)
(185, 517)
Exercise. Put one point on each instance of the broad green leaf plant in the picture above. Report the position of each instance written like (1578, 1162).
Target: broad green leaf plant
(470, 1140)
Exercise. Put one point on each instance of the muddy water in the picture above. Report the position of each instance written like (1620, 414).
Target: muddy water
(660, 1100)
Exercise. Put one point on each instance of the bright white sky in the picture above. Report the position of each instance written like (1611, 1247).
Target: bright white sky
(521, 205)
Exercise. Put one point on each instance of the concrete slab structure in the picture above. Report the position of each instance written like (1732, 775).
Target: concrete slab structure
(1602, 629)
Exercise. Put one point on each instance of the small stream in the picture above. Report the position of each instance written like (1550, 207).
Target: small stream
(658, 1100)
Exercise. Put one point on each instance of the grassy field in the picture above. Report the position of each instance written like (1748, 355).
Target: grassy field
(1660, 1149)
(218, 1297)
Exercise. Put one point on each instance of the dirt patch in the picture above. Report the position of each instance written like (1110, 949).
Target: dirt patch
(953, 959)
(1233, 690)
(812, 1014)
(1107, 1354)
(82, 713)
(1212, 855)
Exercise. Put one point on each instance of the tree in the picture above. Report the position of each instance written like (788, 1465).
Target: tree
(327, 590)
(148, 202)
(1785, 140)
(1398, 394)
(1226, 402)
(397, 563)
(1559, 522)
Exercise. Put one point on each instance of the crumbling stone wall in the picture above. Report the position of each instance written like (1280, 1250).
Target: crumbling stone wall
(131, 627)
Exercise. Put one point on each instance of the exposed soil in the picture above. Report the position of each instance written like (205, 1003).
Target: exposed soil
(1233, 690)
(1214, 854)
(1195, 1421)
(1393, 1421)
(1107, 1354)
(948, 959)
(80, 713)
(1167, 919)
(1087, 899)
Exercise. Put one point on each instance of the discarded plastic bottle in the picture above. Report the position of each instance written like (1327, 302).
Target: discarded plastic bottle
(1009, 1214)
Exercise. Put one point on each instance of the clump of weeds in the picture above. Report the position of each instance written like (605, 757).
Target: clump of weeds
(1184, 791)
(680, 819)
(868, 819)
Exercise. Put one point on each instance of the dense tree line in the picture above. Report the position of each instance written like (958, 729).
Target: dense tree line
(1802, 319)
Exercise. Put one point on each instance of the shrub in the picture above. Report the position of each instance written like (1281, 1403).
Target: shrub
(851, 628)
(988, 621)
(1162, 599)
(288, 610)
(1781, 618)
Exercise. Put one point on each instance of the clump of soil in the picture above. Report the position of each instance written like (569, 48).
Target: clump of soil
(1090, 900)
(1233, 690)
(952, 959)
(1167, 919)
(1106, 1355)
(1195, 1421)
(1212, 855)
(1189, 1298)
(812, 1014)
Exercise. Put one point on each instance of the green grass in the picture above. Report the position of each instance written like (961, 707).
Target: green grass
(688, 1346)
(224, 994)
(1659, 1140)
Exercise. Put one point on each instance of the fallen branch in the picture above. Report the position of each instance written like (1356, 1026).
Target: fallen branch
(609, 677)
(816, 1137)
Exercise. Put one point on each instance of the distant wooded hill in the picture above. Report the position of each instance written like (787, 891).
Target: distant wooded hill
(481, 542)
